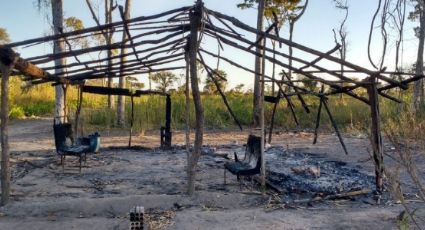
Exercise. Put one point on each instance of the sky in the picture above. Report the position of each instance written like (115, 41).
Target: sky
(23, 21)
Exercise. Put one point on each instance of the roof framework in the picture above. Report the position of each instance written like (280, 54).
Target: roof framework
(159, 41)
(164, 42)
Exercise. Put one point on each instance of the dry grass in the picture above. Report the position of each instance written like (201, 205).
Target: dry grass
(407, 135)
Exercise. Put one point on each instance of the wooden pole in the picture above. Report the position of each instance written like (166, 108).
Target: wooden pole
(131, 121)
(316, 129)
(223, 96)
(258, 64)
(195, 23)
(121, 81)
(167, 130)
(187, 94)
(333, 122)
(261, 104)
(23, 66)
(376, 138)
(273, 115)
(6, 69)
(77, 114)
(108, 19)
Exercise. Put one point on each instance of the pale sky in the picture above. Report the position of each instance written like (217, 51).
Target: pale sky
(23, 21)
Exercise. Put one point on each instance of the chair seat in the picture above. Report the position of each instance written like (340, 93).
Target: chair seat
(75, 150)
(241, 168)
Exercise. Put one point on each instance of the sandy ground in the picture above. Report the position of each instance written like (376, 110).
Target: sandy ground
(44, 196)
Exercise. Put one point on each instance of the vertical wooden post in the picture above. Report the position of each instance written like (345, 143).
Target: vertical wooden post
(195, 23)
(167, 131)
(258, 64)
(131, 121)
(263, 138)
(6, 68)
(376, 139)
(108, 19)
(187, 94)
(78, 112)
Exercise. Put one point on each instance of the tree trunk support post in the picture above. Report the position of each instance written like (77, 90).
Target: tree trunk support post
(78, 112)
(6, 67)
(376, 138)
(262, 126)
(187, 95)
(258, 64)
(131, 121)
(195, 24)
(166, 134)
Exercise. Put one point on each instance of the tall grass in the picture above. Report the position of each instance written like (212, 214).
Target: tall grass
(350, 114)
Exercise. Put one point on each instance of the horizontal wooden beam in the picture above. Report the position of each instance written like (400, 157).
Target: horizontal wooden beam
(248, 28)
(120, 91)
(95, 28)
(7, 55)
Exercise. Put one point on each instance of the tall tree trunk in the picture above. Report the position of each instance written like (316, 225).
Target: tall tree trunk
(187, 95)
(419, 85)
(4, 116)
(121, 83)
(58, 47)
(258, 68)
(108, 19)
(195, 19)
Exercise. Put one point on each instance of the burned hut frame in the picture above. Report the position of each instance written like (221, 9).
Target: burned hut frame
(159, 42)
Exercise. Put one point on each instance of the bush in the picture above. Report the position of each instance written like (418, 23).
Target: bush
(16, 112)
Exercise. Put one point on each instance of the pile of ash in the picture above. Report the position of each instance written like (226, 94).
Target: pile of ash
(298, 172)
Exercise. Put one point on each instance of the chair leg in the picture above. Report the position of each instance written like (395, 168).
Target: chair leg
(63, 162)
(252, 183)
(80, 162)
(240, 182)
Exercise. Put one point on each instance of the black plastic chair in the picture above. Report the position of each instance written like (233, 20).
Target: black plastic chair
(65, 146)
(251, 163)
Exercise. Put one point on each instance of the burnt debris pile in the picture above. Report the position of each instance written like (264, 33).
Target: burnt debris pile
(293, 171)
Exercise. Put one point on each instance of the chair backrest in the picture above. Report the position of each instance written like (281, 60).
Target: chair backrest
(62, 132)
(94, 142)
(253, 151)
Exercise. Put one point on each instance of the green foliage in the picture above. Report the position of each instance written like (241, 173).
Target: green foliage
(237, 90)
(218, 75)
(16, 112)
(73, 24)
(133, 83)
(308, 83)
(163, 79)
(4, 36)
(281, 8)
(350, 114)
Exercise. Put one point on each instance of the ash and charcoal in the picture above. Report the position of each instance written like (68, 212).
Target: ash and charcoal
(299, 172)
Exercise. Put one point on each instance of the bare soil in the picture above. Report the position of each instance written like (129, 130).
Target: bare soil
(47, 196)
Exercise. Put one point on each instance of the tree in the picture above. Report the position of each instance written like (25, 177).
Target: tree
(134, 83)
(58, 47)
(4, 36)
(210, 86)
(238, 89)
(108, 36)
(72, 24)
(419, 13)
(121, 82)
(265, 8)
(56, 7)
(308, 83)
(342, 32)
(163, 79)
